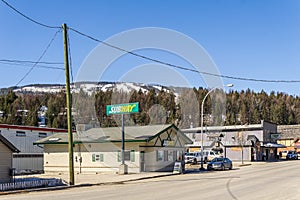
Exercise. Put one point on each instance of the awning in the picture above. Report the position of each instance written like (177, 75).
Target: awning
(274, 145)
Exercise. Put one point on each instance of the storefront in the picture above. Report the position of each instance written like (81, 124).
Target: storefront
(97, 150)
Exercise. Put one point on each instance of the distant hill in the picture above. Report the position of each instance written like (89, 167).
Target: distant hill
(243, 107)
(88, 87)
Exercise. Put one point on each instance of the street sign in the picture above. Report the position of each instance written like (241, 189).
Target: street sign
(122, 108)
(177, 168)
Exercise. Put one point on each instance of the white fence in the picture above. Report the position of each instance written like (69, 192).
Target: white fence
(19, 185)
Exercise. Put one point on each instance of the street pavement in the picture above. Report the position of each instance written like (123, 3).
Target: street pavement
(90, 179)
(261, 180)
(114, 178)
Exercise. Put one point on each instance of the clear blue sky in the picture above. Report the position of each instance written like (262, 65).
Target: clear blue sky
(245, 38)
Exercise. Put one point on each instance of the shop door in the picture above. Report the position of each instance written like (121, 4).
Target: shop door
(142, 161)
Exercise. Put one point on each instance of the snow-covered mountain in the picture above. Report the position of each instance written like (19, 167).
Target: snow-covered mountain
(89, 87)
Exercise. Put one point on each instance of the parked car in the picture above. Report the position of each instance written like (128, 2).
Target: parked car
(192, 157)
(209, 155)
(219, 164)
(283, 153)
(292, 155)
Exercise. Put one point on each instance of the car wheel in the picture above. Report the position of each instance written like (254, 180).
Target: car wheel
(230, 168)
(195, 161)
(223, 167)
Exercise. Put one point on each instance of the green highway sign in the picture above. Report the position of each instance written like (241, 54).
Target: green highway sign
(122, 108)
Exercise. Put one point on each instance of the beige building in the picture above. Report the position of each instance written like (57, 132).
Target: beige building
(6, 151)
(254, 142)
(147, 148)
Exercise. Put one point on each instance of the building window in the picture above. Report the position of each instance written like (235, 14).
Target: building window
(20, 133)
(132, 156)
(119, 156)
(42, 135)
(159, 155)
(170, 155)
(165, 155)
(97, 157)
(128, 155)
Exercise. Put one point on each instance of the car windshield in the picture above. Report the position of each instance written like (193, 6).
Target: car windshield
(190, 154)
(217, 160)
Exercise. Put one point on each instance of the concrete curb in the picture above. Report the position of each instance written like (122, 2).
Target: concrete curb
(244, 165)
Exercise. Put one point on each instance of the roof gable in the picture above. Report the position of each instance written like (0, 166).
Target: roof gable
(9, 144)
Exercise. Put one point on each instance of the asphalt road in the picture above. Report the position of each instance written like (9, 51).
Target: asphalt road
(276, 181)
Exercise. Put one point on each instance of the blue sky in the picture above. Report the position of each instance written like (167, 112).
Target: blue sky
(245, 38)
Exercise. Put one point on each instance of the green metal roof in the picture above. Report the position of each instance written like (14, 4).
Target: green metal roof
(113, 134)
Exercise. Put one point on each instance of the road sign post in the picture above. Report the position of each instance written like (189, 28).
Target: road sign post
(122, 109)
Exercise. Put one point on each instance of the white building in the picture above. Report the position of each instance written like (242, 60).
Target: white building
(30, 157)
(147, 148)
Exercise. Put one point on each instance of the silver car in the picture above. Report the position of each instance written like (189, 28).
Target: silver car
(219, 164)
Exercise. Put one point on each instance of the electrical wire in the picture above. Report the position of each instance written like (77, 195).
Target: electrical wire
(32, 62)
(29, 64)
(37, 66)
(148, 58)
(180, 67)
(28, 18)
(44, 52)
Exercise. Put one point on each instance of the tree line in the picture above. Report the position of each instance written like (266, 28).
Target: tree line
(156, 107)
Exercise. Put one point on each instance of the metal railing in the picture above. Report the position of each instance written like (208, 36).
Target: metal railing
(20, 185)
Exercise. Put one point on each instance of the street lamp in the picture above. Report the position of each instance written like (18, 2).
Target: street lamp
(202, 105)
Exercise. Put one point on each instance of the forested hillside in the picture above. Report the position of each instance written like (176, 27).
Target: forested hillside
(244, 107)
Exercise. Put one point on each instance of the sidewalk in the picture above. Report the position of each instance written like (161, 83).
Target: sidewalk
(106, 178)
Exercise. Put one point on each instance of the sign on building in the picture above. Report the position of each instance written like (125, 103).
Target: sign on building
(122, 108)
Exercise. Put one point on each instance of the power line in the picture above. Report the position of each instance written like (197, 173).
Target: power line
(30, 65)
(31, 62)
(28, 18)
(44, 52)
(26, 63)
(180, 67)
(149, 58)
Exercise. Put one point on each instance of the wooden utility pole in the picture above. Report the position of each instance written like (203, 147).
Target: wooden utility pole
(69, 107)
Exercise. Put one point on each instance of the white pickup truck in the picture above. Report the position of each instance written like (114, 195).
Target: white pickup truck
(192, 157)
(195, 157)
(208, 155)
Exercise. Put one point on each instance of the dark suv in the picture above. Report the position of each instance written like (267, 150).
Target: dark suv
(292, 155)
